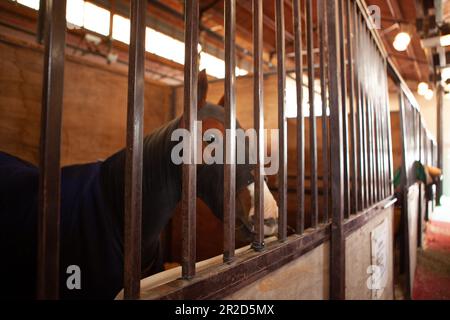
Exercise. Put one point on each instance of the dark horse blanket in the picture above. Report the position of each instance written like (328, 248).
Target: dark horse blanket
(91, 226)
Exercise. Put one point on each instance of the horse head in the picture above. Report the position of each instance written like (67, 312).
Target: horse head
(210, 174)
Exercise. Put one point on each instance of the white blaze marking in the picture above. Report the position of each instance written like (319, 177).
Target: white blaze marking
(270, 208)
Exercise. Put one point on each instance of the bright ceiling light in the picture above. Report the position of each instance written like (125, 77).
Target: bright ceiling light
(422, 88)
(445, 40)
(402, 41)
(429, 95)
(445, 74)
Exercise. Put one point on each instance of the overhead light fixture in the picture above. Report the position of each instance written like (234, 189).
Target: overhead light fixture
(443, 41)
(445, 74)
(429, 95)
(402, 41)
(422, 88)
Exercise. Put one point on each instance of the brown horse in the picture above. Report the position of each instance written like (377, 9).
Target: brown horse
(92, 202)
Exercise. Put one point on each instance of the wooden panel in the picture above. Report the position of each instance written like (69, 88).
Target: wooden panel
(306, 278)
(95, 99)
(396, 131)
(358, 251)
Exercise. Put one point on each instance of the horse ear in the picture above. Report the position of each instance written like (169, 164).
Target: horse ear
(221, 101)
(202, 88)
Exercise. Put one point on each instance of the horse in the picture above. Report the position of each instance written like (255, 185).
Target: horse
(92, 211)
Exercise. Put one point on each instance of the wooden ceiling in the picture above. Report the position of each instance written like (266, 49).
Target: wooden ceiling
(396, 16)
(400, 15)
(167, 16)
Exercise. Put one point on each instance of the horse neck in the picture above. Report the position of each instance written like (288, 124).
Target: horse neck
(161, 183)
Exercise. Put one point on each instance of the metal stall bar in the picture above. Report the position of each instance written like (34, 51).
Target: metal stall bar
(371, 121)
(323, 91)
(230, 125)
(359, 130)
(134, 152)
(351, 82)
(384, 121)
(344, 111)
(189, 192)
(383, 134)
(40, 28)
(50, 149)
(300, 117)
(389, 160)
(337, 267)
(281, 71)
(258, 116)
(364, 111)
(368, 116)
(312, 115)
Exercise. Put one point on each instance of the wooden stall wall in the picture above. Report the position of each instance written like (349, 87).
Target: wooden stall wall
(95, 104)
(396, 131)
(363, 249)
(311, 272)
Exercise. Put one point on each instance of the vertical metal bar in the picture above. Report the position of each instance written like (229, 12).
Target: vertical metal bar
(50, 146)
(344, 111)
(353, 166)
(362, 115)
(258, 116)
(230, 126)
(373, 149)
(134, 152)
(359, 146)
(381, 139)
(440, 136)
(312, 116)
(281, 67)
(370, 148)
(300, 117)
(337, 268)
(384, 115)
(323, 91)
(390, 165)
(404, 188)
(383, 136)
(189, 192)
(377, 149)
(41, 21)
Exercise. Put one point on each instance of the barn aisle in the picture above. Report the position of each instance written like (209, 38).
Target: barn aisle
(433, 264)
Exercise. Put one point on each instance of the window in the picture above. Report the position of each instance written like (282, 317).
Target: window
(80, 13)
(75, 12)
(121, 29)
(164, 46)
(291, 99)
(96, 19)
(34, 4)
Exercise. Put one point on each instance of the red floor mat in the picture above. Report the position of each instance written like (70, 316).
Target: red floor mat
(432, 281)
